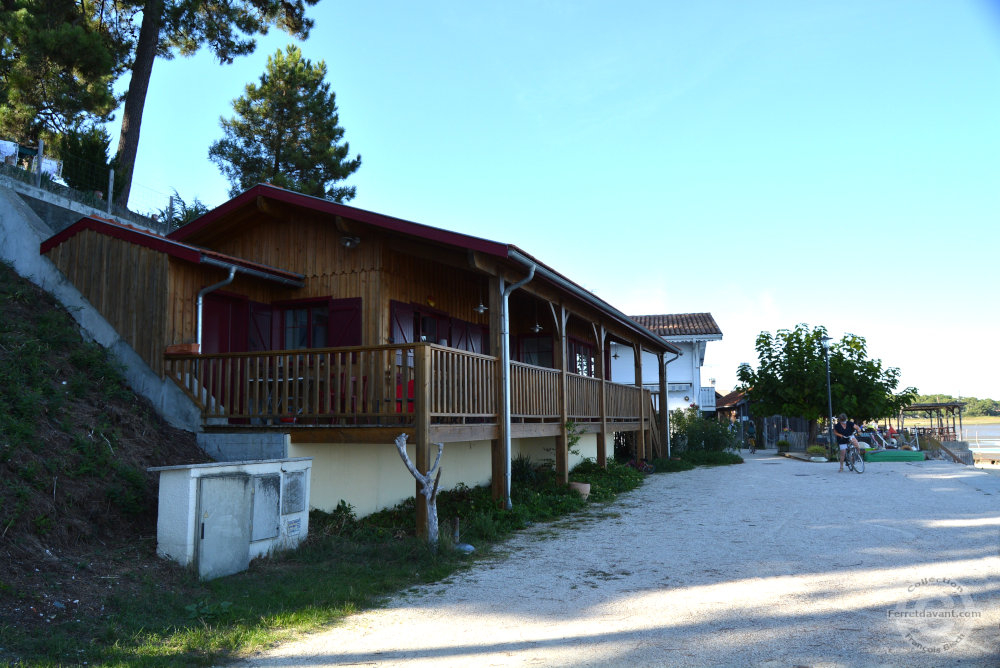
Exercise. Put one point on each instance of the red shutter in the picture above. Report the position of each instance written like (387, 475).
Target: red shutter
(260, 327)
(401, 325)
(345, 323)
(225, 321)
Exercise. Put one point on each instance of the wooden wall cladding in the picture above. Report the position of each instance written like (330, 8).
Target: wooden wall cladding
(125, 282)
(311, 246)
(441, 286)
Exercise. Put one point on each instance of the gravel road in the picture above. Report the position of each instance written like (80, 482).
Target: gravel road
(776, 562)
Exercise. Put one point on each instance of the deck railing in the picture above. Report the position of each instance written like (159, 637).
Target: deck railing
(343, 385)
(379, 385)
(583, 398)
(534, 392)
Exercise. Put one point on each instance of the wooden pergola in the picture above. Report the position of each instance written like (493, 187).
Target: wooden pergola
(939, 413)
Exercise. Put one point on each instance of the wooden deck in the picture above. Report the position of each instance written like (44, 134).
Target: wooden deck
(366, 394)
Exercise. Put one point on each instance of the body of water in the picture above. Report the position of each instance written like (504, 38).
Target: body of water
(985, 432)
(987, 435)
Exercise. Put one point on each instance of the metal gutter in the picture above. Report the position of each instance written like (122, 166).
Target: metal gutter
(255, 273)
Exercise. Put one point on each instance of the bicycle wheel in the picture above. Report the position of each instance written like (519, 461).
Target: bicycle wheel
(849, 459)
(859, 462)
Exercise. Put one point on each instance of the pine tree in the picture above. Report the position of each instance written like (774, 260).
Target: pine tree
(286, 133)
(58, 62)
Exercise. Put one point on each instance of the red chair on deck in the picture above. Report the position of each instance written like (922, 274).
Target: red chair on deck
(409, 397)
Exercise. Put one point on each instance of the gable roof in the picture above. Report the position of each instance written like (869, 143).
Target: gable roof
(682, 325)
(223, 219)
(182, 251)
(227, 218)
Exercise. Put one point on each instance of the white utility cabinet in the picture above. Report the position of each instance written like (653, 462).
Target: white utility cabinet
(221, 515)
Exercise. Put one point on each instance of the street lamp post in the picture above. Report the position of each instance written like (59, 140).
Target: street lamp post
(829, 398)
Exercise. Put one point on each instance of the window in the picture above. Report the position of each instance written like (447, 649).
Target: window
(537, 350)
(431, 328)
(581, 358)
(306, 327)
(320, 323)
(411, 323)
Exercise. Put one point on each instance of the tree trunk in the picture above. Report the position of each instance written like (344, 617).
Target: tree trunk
(813, 430)
(428, 487)
(135, 99)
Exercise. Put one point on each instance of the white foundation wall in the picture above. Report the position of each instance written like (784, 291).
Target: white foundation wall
(543, 449)
(371, 477)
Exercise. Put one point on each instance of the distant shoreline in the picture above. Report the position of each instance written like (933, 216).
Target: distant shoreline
(979, 420)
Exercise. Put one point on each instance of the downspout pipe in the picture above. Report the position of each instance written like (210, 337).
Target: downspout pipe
(505, 371)
(664, 403)
(205, 291)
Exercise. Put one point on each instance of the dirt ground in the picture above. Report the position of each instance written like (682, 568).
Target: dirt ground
(94, 550)
(776, 562)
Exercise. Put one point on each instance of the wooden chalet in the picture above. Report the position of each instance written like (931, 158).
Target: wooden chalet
(335, 329)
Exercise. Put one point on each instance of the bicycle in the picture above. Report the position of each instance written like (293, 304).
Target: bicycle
(752, 444)
(853, 457)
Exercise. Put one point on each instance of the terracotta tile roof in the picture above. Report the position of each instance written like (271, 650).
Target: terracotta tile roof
(730, 399)
(680, 324)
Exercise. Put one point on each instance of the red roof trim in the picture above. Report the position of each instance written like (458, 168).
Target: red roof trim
(131, 235)
(334, 209)
(156, 242)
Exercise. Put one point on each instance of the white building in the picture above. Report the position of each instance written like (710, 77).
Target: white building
(690, 332)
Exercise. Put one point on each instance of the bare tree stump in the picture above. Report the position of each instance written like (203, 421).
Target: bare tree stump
(428, 486)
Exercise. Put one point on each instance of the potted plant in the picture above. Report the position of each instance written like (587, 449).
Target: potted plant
(783, 446)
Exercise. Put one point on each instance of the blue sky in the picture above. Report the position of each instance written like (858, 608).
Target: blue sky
(773, 163)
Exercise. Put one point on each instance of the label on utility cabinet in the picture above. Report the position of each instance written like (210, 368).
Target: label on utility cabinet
(294, 526)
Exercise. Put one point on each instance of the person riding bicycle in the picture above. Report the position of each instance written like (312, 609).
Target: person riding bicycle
(844, 429)
(751, 436)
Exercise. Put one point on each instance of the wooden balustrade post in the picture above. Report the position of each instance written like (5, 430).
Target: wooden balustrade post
(422, 422)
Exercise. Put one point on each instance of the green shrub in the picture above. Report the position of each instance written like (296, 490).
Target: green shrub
(672, 465)
(606, 484)
(690, 431)
(783, 445)
(816, 450)
(711, 458)
(522, 471)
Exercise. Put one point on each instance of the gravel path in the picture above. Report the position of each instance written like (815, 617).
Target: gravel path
(776, 562)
